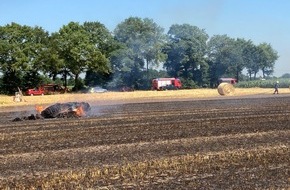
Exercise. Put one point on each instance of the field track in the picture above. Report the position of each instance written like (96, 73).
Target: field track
(230, 143)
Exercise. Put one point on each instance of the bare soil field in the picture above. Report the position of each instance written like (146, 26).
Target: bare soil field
(162, 142)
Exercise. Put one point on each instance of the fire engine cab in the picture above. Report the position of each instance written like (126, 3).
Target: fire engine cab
(166, 84)
(227, 80)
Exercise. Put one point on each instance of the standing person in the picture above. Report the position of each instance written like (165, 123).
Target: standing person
(276, 86)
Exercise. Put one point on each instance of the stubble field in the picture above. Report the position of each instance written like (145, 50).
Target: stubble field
(156, 142)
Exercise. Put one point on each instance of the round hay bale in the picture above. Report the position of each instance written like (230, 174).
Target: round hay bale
(226, 89)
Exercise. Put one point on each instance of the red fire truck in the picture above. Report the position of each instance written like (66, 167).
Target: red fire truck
(46, 89)
(166, 84)
(227, 80)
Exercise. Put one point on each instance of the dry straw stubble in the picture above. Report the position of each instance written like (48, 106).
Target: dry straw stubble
(226, 89)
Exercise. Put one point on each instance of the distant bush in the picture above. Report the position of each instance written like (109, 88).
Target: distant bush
(283, 83)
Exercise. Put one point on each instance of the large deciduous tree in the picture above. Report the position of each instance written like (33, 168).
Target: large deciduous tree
(49, 58)
(268, 58)
(215, 46)
(20, 47)
(252, 59)
(79, 52)
(143, 40)
(101, 38)
(186, 53)
(226, 57)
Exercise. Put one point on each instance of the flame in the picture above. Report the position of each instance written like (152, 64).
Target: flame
(80, 111)
(39, 109)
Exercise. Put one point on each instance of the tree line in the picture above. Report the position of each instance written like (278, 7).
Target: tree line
(136, 51)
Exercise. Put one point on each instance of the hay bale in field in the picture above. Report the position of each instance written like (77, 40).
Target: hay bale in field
(226, 89)
(69, 109)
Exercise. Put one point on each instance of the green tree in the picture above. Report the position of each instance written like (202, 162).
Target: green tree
(252, 58)
(286, 75)
(234, 57)
(101, 37)
(144, 40)
(20, 47)
(78, 52)
(49, 59)
(186, 54)
(127, 70)
(217, 67)
(226, 57)
(268, 58)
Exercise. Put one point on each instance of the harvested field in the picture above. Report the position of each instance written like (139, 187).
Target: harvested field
(217, 143)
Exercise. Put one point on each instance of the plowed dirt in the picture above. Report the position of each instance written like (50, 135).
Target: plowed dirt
(218, 143)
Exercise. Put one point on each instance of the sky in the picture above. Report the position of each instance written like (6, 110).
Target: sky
(257, 20)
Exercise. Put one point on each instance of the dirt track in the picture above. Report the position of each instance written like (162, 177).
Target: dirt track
(219, 143)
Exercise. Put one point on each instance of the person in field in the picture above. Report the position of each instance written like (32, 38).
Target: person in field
(276, 86)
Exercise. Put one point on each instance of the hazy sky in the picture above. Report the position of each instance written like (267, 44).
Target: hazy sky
(257, 20)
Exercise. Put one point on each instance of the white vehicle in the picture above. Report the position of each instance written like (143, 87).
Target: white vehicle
(98, 89)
